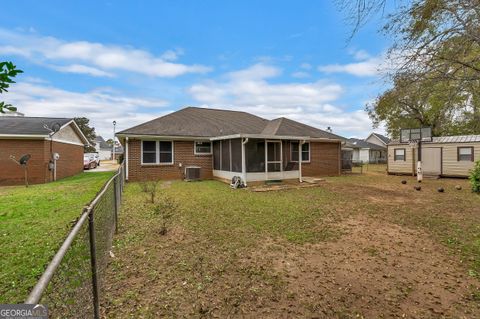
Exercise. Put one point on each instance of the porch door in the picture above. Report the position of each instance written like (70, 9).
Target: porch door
(274, 158)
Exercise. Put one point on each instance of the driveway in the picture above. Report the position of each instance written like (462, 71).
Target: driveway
(105, 166)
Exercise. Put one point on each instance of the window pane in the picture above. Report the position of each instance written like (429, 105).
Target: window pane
(165, 146)
(306, 147)
(225, 155)
(305, 156)
(165, 157)
(465, 151)
(149, 158)
(216, 155)
(149, 146)
(236, 155)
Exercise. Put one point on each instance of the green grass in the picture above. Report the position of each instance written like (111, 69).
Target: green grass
(34, 221)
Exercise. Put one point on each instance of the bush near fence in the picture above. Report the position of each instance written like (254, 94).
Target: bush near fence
(73, 282)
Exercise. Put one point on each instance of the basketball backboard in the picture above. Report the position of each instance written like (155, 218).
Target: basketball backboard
(423, 134)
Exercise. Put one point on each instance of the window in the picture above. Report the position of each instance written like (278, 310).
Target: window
(399, 154)
(305, 152)
(203, 148)
(465, 154)
(157, 152)
(149, 152)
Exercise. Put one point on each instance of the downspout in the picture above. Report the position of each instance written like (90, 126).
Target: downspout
(126, 158)
(244, 162)
(300, 179)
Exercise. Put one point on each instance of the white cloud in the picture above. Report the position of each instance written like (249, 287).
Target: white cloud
(101, 106)
(306, 66)
(366, 65)
(82, 69)
(311, 103)
(102, 57)
(300, 74)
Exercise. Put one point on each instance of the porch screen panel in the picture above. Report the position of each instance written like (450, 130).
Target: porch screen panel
(255, 156)
(216, 155)
(225, 155)
(236, 155)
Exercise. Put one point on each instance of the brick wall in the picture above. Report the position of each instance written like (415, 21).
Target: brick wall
(71, 158)
(70, 163)
(183, 153)
(324, 160)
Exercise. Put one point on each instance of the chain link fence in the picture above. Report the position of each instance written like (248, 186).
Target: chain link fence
(73, 282)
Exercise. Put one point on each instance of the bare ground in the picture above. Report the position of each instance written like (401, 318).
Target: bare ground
(389, 252)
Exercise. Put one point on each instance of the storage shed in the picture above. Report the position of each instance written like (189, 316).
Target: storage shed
(449, 156)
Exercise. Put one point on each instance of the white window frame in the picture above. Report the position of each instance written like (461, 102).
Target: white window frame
(200, 154)
(157, 152)
(472, 154)
(300, 155)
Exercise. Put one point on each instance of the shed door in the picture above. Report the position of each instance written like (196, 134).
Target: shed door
(432, 160)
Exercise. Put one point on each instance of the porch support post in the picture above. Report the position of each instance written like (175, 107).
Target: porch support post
(266, 156)
(300, 143)
(244, 161)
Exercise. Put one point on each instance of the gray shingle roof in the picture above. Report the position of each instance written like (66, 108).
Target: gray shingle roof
(203, 122)
(449, 139)
(363, 144)
(384, 139)
(193, 121)
(103, 145)
(286, 127)
(19, 125)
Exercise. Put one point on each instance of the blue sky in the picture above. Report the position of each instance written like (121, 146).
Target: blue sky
(131, 61)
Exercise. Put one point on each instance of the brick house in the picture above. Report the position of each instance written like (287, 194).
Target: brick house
(41, 138)
(223, 144)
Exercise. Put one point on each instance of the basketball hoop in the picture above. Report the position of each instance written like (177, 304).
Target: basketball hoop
(415, 137)
(413, 144)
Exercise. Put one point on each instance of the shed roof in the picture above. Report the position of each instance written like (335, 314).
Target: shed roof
(205, 122)
(448, 139)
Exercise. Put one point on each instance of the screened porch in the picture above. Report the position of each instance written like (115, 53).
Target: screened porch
(255, 159)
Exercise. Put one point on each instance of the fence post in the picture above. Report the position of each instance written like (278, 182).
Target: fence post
(116, 188)
(93, 261)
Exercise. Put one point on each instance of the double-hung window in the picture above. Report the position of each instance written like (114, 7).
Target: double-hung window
(465, 154)
(157, 152)
(399, 154)
(305, 151)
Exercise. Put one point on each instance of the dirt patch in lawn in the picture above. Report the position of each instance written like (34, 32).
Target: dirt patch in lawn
(375, 270)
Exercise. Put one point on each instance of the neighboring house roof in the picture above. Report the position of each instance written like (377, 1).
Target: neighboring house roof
(381, 137)
(204, 122)
(449, 139)
(358, 143)
(19, 125)
(35, 127)
(101, 143)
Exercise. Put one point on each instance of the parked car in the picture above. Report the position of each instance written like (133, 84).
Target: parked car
(89, 161)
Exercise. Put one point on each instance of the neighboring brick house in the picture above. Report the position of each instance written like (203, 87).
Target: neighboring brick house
(41, 138)
(223, 144)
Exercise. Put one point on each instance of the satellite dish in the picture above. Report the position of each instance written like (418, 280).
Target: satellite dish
(24, 159)
(56, 127)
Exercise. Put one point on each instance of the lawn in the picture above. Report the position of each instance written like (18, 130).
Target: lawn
(356, 246)
(33, 224)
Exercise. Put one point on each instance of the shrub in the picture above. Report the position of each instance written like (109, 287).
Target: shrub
(150, 187)
(475, 177)
(165, 211)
